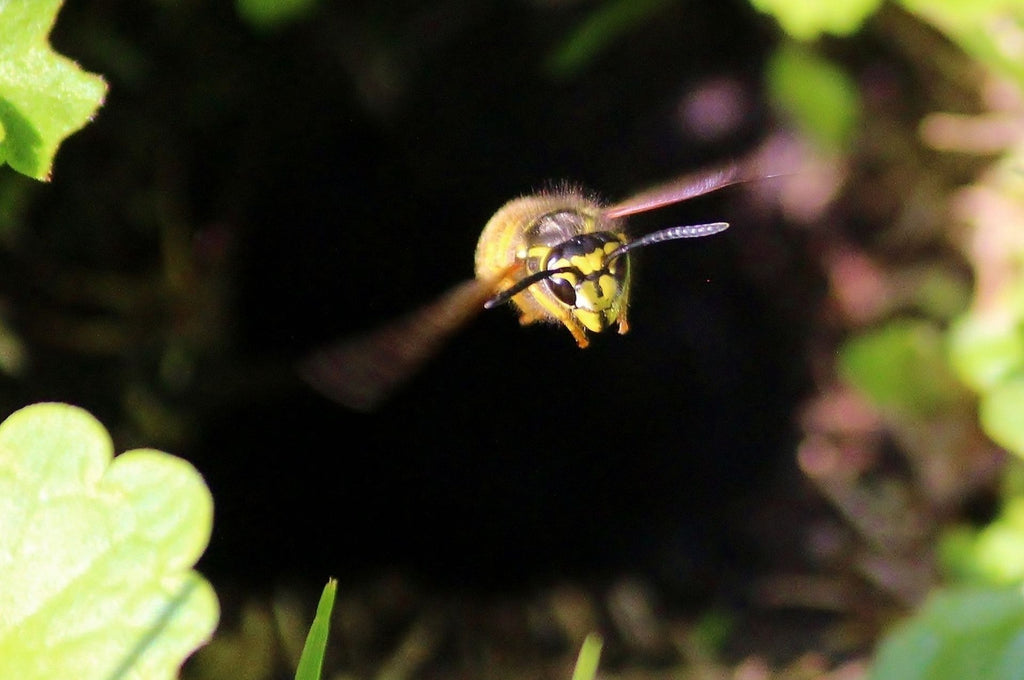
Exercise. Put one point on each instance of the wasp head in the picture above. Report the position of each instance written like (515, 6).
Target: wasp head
(591, 280)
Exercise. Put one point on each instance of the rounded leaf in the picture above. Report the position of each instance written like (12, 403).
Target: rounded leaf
(96, 553)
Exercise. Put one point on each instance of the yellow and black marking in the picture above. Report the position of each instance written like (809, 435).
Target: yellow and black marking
(566, 231)
(595, 290)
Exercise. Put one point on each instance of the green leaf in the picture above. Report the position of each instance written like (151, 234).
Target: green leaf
(975, 633)
(44, 97)
(589, 657)
(96, 557)
(901, 366)
(1001, 412)
(807, 19)
(817, 95)
(985, 350)
(312, 660)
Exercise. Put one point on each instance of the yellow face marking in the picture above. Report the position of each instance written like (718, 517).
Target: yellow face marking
(597, 295)
(589, 263)
(592, 321)
(568, 277)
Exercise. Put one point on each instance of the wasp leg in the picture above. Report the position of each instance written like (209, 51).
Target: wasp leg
(623, 323)
(578, 333)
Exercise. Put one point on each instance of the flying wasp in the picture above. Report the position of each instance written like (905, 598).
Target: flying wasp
(558, 256)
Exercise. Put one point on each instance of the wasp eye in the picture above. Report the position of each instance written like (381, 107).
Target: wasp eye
(563, 290)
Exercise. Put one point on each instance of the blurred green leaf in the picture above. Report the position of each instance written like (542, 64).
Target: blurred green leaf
(957, 556)
(1002, 414)
(988, 30)
(312, 660)
(270, 14)
(601, 28)
(901, 366)
(974, 633)
(807, 19)
(941, 294)
(999, 550)
(993, 555)
(819, 96)
(96, 557)
(44, 97)
(984, 350)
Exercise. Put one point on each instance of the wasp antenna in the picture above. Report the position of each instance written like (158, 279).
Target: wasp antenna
(522, 284)
(672, 234)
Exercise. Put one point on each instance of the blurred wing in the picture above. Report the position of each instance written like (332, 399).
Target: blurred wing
(359, 373)
(683, 188)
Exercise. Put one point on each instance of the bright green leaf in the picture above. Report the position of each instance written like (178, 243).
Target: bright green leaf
(970, 633)
(589, 657)
(312, 660)
(819, 96)
(984, 350)
(1002, 414)
(807, 19)
(44, 97)
(96, 556)
(901, 366)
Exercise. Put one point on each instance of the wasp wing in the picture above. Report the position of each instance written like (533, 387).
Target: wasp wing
(679, 189)
(361, 372)
(693, 185)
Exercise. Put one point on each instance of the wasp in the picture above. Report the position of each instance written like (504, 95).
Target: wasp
(558, 256)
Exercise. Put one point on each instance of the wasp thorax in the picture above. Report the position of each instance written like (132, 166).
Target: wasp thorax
(594, 286)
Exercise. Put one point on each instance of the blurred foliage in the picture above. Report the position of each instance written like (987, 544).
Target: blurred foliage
(987, 343)
(1001, 409)
(991, 555)
(597, 33)
(959, 633)
(986, 350)
(901, 366)
(808, 19)
(96, 555)
(988, 30)
(44, 97)
(245, 651)
(818, 96)
(272, 14)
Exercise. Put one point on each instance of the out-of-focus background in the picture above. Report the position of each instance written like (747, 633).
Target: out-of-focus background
(783, 456)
